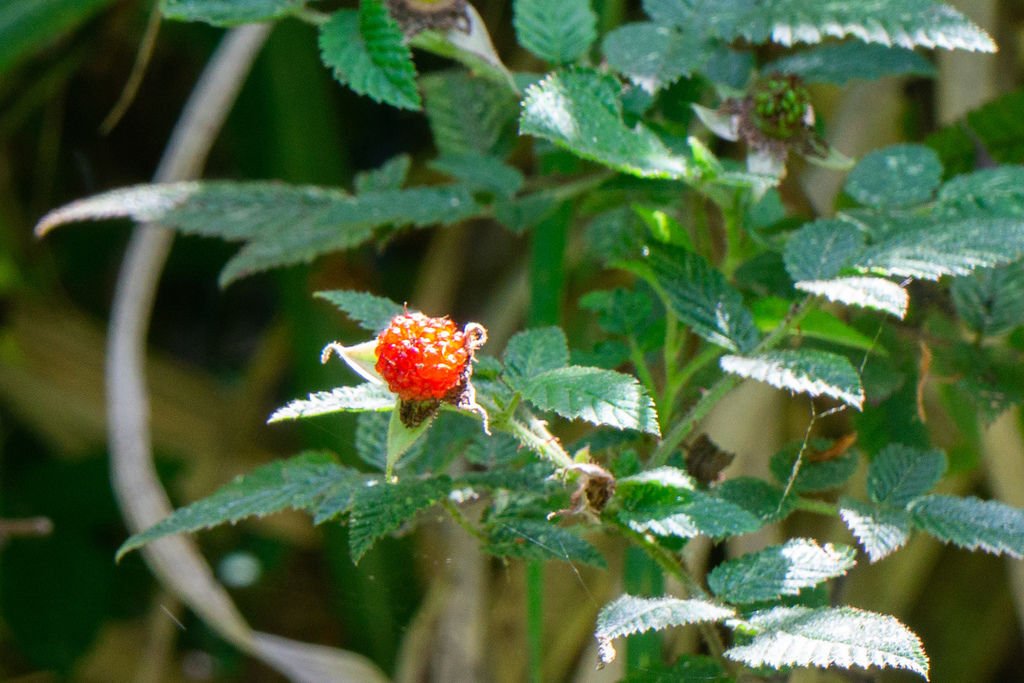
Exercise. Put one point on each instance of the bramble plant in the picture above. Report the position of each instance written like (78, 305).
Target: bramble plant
(568, 434)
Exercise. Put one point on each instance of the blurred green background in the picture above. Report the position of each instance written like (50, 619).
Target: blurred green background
(223, 359)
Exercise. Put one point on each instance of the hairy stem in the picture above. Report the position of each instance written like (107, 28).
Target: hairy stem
(682, 429)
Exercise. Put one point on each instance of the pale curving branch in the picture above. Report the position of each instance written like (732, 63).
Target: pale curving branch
(176, 561)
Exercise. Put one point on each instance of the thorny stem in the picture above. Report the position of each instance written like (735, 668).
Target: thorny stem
(534, 434)
(723, 386)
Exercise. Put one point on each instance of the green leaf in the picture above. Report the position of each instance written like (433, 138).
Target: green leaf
(830, 636)
(991, 300)
(821, 249)
(665, 502)
(805, 372)
(480, 172)
(930, 249)
(601, 397)
(842, 62)
(653, 56)
(905, 23)
(866, 292)
(772, 311)
(363, 397)
(381, 508)
(881, 531)
(26, 27)
(388, 176)
(318, 220)
(619, 311)
(532, 352)
(468, 115)
(814, 476)
(373, 313)
(629, 614)
(367, 52)
(900, 175)
(228, 12)
(779, 570)
(534, 539)
(699, 295)
(294, 484)
(756, 496)
(991, 192)
(580, 110)
(899, 473)
(971, 523)
(558, 32)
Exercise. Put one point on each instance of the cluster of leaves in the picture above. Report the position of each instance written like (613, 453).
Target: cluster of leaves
(697, 315)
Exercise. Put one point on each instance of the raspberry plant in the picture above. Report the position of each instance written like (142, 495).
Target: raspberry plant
(573, 439)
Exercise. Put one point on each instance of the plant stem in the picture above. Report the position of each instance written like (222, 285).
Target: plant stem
(534, 434)
(724, 385)
(691, 586)
(535, 620)
(820, 507)
(461, 519)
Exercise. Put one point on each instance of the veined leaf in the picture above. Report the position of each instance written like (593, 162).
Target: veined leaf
(779, 570)
(282, 224)
(468, 115)
(619, 311)
(842, 62)
(821, 249)
(900, 175)
(881, 531)
(771, 311)
(536, 539)
(532, 352)
(373, 313)
(481, 172)
(601, 397)
(29, 26)
(991, 192)
(653, 56)
(388, 176)
(929, 250)
(294, 484)
(559, 32)
(991, 300)
(699, 295)
(580, 110)
(367, 52)
(805, 372)
(899, 474)
(863, 291)
(360, 398)
(814, 476)
(971, 523)
(629, 614)
(756, 496)
(664, 501)
(840, 636)
(227, 12)
(905, 23)
(379, 508)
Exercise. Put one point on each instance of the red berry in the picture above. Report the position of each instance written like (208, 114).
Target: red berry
(422, 358)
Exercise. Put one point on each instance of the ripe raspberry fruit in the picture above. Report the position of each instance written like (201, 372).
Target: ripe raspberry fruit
(423, 358)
